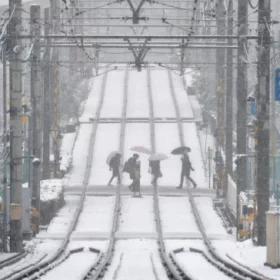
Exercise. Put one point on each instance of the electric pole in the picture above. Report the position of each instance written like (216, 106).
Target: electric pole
(241, 88)
(15, 57)
(262, 130)
(46, 100)
(55, 89)
(220, 97)
(36, 97)
(229, 92)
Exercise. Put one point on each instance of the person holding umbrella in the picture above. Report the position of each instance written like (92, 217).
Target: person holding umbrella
(154, 167)
(114, 164)
(133, 167)
(186, 165)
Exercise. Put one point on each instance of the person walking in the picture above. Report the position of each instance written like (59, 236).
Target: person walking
(154, 168)
(186, 169)
(114, 164)
(133, 167)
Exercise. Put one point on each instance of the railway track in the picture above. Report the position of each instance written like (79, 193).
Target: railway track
(98, 270)
(35, 270)
(230, 269)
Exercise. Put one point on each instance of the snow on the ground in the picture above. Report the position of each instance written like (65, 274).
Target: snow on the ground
(137, 215)
(91, 105)
(80, 153)
(134, 259)
(167, 139)
(138, 135)
(69, 268)
(107, 140)
(66, 151)
(211, 221)
(247, 254)
(112, 104)
(50, 189)
(197, 266)
(97, 215)
(181, 96)
(176, 215)
(61, 222)
(138, 102)
(161, 95)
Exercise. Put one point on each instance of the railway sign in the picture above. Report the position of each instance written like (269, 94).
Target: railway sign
(277, 84)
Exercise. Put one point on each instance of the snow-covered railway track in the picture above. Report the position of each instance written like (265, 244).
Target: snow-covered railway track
(98, 269)
(13, 259)
(64, 252)
(209, 254)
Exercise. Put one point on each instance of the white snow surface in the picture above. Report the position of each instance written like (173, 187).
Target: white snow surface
(75, 267)
(66, 151)
(184, 104)
(80, 154)
(138, 103)
(137, 215)
(50, 189)
(91, 105)
(114, 91)
(212, 223)
(161, 95)
(133, 260)
(176, 216)
(61, 222)
(97, 215)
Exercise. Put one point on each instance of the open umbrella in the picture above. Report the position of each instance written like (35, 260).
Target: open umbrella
(111, 155)
(158, 156)
(180, 150)
(141, 149)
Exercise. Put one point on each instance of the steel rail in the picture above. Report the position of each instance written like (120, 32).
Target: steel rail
(99, 270)
(48, 264)
(12, 260)
(172, 268)
(230, 269)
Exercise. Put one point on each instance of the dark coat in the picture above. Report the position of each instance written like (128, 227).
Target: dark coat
(155, 168)
(115, 164)
(186, 165)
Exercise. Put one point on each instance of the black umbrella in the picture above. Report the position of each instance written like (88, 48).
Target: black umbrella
(180, 150)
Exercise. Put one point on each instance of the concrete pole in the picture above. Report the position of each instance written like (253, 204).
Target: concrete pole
(220, 98)
(16, 139)
(36, 97)
(55, 89)
(262, 132)
(5, 160)
(46, 101)
(229, 93)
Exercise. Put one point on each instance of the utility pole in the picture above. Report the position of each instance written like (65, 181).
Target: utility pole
(5, 150)
(14, 45)
(36, 97)
(229, 93)
(55, 89)
(46, 100)
(241, 88)
(220, 96)
(229, 96)
(262, 130)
